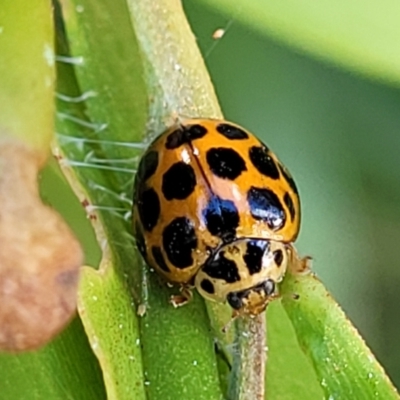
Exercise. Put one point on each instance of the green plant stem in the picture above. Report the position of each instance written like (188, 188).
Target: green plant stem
(174, 67)
(247, 381)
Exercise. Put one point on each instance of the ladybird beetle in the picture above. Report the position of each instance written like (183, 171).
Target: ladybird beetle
(214, 207)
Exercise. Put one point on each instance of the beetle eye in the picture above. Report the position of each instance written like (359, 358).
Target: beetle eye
(269, 287)
(234, 300)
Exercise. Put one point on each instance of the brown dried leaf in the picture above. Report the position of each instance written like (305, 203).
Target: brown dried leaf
(39, 256)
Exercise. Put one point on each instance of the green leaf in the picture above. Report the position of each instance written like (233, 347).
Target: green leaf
(113, 332)
(345, 366)
(359, 35)
(64, 369)
(290, 375)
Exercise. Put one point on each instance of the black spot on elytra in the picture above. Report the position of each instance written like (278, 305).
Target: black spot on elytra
(147, 168)
(225, 163)
(179, 181)
(159, 258)
(278, 257)
(148, 205)
(140, 242)
(221, 218)
(254, 253)
(179, 240)
(288, 178)
(148, 165)
(263, 162)
(184, 134)
(222, 268)
(289, 204)
(207, 286)
(265, 206)
(232, 132)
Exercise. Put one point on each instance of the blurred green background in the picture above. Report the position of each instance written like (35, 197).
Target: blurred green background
(339, 134)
